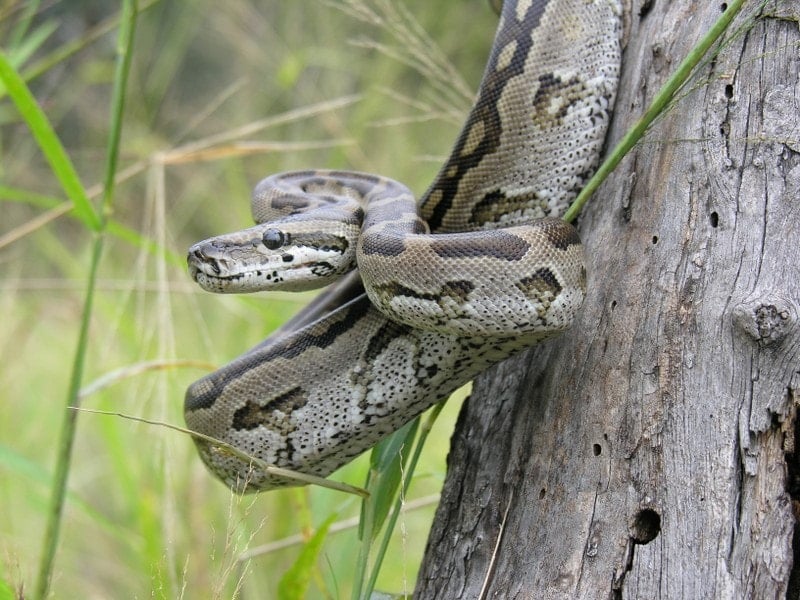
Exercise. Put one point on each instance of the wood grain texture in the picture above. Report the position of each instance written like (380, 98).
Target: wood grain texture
(649, 453)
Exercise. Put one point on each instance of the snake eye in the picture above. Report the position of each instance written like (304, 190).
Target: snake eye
(274, 239)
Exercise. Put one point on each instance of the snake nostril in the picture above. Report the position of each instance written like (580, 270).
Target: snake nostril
(198, 257)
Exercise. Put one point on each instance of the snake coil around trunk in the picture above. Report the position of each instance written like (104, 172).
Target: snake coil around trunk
(481, 269)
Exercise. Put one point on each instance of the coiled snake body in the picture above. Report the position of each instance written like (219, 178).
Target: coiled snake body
(497, 274)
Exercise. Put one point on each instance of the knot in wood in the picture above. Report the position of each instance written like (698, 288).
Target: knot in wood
(766, 320)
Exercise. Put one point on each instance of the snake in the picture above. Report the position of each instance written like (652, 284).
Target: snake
(440, 289)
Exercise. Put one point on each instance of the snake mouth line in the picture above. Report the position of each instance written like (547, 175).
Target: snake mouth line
(197, 273)
(290, 277)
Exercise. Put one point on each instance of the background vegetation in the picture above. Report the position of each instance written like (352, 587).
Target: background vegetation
(339, 85)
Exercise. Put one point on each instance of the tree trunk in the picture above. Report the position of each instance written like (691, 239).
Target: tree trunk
(650, 451)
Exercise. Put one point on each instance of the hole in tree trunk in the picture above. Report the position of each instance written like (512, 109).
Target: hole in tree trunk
(646, 526)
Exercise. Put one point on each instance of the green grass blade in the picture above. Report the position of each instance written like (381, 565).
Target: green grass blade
(399, 498)
(657, 106)
(47, 139)
(12, 194)
(67, 436)
(124, 56)
(385, 475)
(294, 583)
(21, 28)
(48, 142)
(18, 54)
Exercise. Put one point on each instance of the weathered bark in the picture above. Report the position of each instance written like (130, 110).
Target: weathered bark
(648, 453)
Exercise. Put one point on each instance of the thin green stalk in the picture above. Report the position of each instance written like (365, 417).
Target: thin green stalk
(123, 67)
(387, 464)
(24, 24)
(68, 428)
(660, 102)
(67, 435)
(408, 471)
(366, 527)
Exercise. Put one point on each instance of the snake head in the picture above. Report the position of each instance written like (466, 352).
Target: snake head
(291, 256)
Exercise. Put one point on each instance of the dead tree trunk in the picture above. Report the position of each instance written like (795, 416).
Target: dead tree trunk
(650, 452)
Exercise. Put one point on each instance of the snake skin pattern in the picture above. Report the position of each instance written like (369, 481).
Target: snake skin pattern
(495, 276)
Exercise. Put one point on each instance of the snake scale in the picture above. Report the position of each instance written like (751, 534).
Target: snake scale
(480, 270)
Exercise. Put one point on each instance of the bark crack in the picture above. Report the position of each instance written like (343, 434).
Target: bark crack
(792, 446)
(645, 527)
(589, 545)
